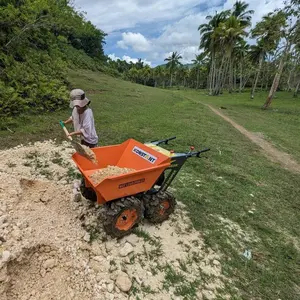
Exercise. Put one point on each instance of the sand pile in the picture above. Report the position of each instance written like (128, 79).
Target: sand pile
(101, 174)
(52, 247)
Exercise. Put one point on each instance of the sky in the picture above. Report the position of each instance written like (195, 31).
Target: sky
(152, 30)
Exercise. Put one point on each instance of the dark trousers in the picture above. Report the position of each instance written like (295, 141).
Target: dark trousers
(83, 142)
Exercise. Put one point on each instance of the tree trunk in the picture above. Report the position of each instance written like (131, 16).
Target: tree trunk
(241, 77)
(289, 88)
(223, 75)
(211, 75)
(257, 76)
(277, 76)
(212, 85)
(218, 86)
(171, 81)
(198, 71)
(230, 75)
(234, 81)
(297, 89)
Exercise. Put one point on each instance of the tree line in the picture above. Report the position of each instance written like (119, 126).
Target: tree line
(41, 39)
(228, 61)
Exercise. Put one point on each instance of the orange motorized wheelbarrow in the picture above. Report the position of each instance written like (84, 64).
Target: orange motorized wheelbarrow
(130, 197)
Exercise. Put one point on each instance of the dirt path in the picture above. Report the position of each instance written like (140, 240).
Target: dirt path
(269, 150)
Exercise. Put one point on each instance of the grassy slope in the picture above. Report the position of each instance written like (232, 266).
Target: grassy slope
(233, 170)
(280, 124)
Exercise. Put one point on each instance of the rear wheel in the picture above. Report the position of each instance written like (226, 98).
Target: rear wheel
(159, 207)
(88, 193)
(121, 216)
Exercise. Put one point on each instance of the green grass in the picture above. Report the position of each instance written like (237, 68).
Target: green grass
(219, 184)
(280, 124)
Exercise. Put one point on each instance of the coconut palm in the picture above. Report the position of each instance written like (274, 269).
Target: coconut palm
(257, 55)
(198, 61)
(229, 33)
(240, 53)
(173, 62)
(242, 14)
(210, 44)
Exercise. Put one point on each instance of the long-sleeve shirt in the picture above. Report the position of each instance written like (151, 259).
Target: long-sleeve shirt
(85, 123)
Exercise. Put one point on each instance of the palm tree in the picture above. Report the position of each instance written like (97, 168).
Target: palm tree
(146, 74)
(268, 32)
(242, 14)
(228, 33)
(173, 62)
(240, 52)
(210, 45)
(257, 55)
(198, 62)
(157, 74)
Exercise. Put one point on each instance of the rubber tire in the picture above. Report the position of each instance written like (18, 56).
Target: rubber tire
(112, 211)
(87, 193)
(160, 179)
(152, 206)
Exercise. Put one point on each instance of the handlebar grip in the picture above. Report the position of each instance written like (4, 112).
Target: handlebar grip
(170, 139)
(202, 151)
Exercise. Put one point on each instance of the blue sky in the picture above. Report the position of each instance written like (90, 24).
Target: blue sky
(151, 30)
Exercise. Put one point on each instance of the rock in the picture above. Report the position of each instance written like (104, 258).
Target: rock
(123, 282)
(43, 272)
(87, 237)
(208, 294)
(16, 234)
(98, 258)
(216, 262)
(4, 225)
(49, 263)
(110, 287)
(126, 250)
(96, 249)
(96, 266)
(109, 246)
(5, 256)
(132, 239)
(109, 296)
(3, 219)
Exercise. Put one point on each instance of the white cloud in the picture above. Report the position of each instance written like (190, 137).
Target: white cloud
(111, 15)
(134, 40)
(128, 59)
(181, 32)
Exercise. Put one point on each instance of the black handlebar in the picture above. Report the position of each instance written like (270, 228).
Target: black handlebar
(165, 141)
(197, 153)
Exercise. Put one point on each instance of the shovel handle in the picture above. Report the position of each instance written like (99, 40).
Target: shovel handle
(65, 130)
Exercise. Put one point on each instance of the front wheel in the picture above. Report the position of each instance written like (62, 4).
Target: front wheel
(159, 207)
(121, 216)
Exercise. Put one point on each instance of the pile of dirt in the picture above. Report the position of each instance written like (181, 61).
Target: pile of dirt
(103, 173)
(52, 247)
(88, 153)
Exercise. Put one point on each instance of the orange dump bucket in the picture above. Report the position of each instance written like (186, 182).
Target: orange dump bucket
(148, 163)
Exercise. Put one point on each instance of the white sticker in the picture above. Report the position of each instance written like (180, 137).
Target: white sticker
(147, 156)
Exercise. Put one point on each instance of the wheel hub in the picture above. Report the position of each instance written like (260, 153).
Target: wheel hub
(126, 219)
(164, 206)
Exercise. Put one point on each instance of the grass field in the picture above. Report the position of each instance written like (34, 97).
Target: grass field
(232, 190)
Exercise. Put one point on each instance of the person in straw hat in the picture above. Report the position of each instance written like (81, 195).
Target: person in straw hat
(82, 118)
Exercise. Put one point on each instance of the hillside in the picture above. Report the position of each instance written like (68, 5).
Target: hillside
(39, 41)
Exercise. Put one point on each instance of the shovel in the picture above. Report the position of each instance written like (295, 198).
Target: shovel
(81, 149)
